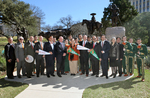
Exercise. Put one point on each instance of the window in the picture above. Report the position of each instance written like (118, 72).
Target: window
(143, 10)
(133, 3)
(147, 9)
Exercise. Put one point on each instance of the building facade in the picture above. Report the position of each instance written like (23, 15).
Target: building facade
(141, 5)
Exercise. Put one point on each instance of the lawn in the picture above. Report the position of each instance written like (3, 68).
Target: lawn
(10, 89)
(132, 88)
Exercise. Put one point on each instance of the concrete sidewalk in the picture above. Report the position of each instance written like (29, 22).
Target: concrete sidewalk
(65, 87)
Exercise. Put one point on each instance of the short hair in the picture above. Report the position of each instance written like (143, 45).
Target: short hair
(35, 35)
(103, 35)
(139, 39)
(123, 37)
(75, 38)
(21, 37)
(118, 37)
(50, 36)
(113, 38)
(130, 38)
(88, 36)
(79, 34)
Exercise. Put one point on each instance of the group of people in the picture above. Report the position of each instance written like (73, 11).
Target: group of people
(119, 54)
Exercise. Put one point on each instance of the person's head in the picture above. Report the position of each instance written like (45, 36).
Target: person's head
(113, 40)
(10, 40)
(21, 39)
(139, 41)
(131, 40)
(94, 39)
(50, 38)
(85, 37)
(89, 38)
(40, 38)
(80, 36)
(97, 38)
(70, 37)
(54, 39)
(66, 41)
(31, 38)
(103, 37)
(61, 39)
(35, 37)
(124, 38)
(118, 39)
(72, 41)
(76, 40)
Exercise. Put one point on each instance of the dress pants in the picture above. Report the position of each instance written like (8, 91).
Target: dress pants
(39, 62)
(119, 65)
(49, 67)
(10, 68)
(60, 65)
(84, 64)
(21, 64)
(104, 64)
(29, 68)
(73, 67)
(95, 66)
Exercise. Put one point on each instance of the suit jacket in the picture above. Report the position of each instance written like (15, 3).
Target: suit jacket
(10, 52)
(19, 51)
(114, 51)
(105, 48)
(36, 48)
(60, 50)
(121, 52)
(84, 53)
(29, 50)
(48, 48)
(97, 49)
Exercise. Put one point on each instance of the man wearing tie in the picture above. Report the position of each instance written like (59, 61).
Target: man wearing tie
(10, 58)
(19, 51)
(84, 56)
(39, 58)
(29, 50)
(61, 51)
(95, 62)
(49, 47)
(105, 47)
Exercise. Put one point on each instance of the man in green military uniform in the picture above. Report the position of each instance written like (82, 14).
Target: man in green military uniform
(141, 52)
(127, 48)
(131, 57)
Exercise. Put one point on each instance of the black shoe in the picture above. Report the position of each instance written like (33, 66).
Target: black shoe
(28, 77)
(43, 74)
(92, 74)
(97, 76)
(37, 75)
(19, 76)
(106, 77)
(111, 75)
(102, 76)
(53, 75)
(120, 75)
(114, 76)
(63, 73)
(48, 76)
(24, 74)
(10, 77)
(71, 74)
(59, 75)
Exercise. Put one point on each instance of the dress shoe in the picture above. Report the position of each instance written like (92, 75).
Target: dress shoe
(10, 77)
(87, 75)
(96, 75)
(130, 74)
(71, 74)
(19, 76)
(81, 73)
(53, 75)
(59, 76)
(106, 77)
(114, 76)
(120, 75)
(37, 75)
(143, 80)
(48, 76)
(138, 76)
(126, 75)
(92, 74)
(24, 74)
(102, 76)
(111, 75)
(63, 74)
(43, 74)
(74, 74)
(28, 76)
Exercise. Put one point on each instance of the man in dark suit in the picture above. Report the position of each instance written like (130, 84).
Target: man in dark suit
(105, 47)
(39, 58)
(95, 62)
(84, 56)
(50, 47)
(61, 51)
(121, 53)
(10, 58)
(29, 50)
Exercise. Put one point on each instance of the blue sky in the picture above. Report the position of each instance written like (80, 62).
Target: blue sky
(78, 9)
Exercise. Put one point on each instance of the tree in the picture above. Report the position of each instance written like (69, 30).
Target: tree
(47, 28)
(57, 27)
(127, 13)
(139, 28)
(18, 14)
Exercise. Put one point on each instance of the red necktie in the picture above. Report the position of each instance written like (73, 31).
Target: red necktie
(84, 44)
(102, 44)
(93, 45)
(32, 46)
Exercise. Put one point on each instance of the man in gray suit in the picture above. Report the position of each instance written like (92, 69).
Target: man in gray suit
(39, 58)
(19, 52)
(29, 50)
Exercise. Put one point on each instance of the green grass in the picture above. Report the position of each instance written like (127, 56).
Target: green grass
(10, 89)
(132, 88)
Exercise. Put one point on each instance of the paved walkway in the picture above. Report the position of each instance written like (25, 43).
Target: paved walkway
(65, 87)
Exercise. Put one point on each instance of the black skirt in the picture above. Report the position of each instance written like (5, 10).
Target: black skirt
(113, 62)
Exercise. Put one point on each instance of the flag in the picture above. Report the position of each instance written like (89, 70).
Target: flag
(94, 54)
(70, 50)
(79, 47)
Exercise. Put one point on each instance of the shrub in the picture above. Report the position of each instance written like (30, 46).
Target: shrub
(2, 64)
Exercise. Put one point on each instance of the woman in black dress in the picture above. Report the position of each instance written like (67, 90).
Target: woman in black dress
(114, 56)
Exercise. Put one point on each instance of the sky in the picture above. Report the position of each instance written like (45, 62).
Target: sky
(78, 9)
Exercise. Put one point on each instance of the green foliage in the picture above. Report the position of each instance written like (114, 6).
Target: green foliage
(139, 27)
(127, 12)
(2, 64)
(17, 13)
